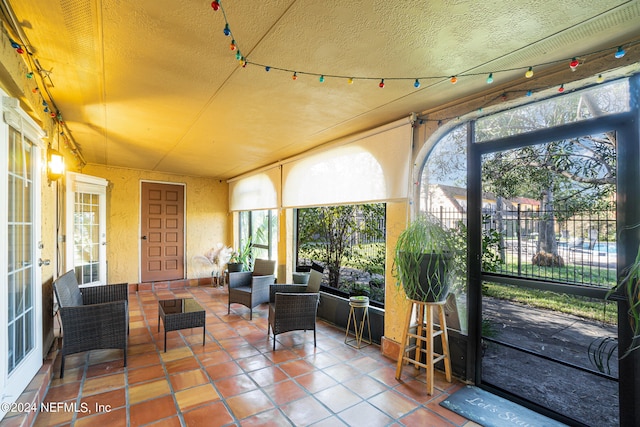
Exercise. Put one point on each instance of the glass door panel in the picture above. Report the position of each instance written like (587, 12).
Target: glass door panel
(549, 336)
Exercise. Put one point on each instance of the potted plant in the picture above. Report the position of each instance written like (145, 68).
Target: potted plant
(240, 260)
(423, 259)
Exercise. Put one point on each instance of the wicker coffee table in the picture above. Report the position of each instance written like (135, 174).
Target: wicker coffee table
(180, 313)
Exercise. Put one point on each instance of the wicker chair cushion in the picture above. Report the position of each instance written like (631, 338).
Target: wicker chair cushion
(264, 267)
(246, 289)
(315, 279)
(67, 290)
(300, 278)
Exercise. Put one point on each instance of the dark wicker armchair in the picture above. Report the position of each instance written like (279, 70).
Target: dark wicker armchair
(93, 318)
(294, 307)
(251, 288)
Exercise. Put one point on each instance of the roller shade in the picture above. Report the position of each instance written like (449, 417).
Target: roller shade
(371, 167)
(257, 191)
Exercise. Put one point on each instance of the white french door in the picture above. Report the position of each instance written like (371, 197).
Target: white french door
(86, 228)
(20, 287)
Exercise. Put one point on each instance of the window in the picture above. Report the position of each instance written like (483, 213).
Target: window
(261, 229)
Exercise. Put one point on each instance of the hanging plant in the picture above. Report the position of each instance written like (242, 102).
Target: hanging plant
(423, 259)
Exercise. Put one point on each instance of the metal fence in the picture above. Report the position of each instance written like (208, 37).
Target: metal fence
(580, 248)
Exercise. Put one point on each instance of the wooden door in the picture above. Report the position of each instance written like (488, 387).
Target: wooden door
(162, 232)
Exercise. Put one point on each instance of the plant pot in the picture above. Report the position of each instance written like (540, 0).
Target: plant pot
(234, 267)
(433, 271)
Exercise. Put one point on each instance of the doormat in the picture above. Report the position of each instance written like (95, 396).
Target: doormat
(490, 410)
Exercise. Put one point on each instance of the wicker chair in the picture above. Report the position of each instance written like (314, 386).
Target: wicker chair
(93, 318)
(294, 307)
(251, 288)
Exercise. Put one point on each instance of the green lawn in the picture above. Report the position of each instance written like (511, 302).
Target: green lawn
(602, 311)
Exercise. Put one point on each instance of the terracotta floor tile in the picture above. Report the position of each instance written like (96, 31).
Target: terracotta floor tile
(393, 403)
(423, 417)
(115, 417)
(237, 379)
(223, 370)
(250, 403)
(316, 381)
(214, 358)
(180, 365)
(365, 414)
(365, 386)
(152, 410)
(104, 402)
(273, 418)
(268, 376)
(102, 384)
(254, 362)
(215, 414)
(295, 368)
(148, 390)
(145, 374)
(338, 398)
(306, 411)
(63, 392)
(196, 396)
(144, 359)
(188, 379)
(285, 392)
(235, 385)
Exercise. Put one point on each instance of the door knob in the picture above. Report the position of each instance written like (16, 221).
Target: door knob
(144, 237)
(42, 262)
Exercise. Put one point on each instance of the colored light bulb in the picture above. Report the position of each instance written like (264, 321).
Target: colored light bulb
(20, 50)
(52, 114)
(295, 76)
(44, 103)
(490, 78)
(453, 80)
(14, 44)
(600, 79)
(233, 46)
(238, 55)
(267, 68)
(529, 73)
(381, 84)
(29, 75)
(321, 79)
(35, 90)
(226, 31)
(416, 84)
(529, 93)
(215, 5)
(46, 109)
(350, 80)
(620, 52)
(574, 64)
(561, 88)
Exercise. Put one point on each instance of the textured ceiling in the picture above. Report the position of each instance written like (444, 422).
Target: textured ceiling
(153, 85)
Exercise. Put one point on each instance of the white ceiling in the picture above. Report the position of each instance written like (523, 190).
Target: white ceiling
(153, 85)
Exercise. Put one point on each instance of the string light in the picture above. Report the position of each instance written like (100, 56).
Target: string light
(529, 73)
(561, 88)
(30, 75)
(529, 93)
(600, 79)
(574, 64)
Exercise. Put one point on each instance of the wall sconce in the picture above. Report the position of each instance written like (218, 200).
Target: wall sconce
(55, 165)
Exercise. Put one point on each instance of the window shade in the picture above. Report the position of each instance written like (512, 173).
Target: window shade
(258, 191)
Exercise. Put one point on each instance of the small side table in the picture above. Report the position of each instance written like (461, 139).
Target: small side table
(355, 303)
(180, 313)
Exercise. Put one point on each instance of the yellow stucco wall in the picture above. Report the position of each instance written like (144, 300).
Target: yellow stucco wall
(206, 220)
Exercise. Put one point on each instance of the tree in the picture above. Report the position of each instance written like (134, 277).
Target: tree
(326, 233)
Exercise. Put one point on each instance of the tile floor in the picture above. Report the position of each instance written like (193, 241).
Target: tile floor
(236, 379)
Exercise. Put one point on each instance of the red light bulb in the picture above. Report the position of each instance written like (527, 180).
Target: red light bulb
(574, 64)
(215, 5)
(381, 84)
